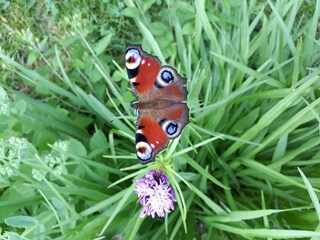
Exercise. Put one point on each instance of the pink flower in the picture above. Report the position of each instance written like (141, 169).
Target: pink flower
(155, 193)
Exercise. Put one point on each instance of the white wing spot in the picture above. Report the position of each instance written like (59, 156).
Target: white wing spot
(143, 61)
(144, 151)
(157, 142)
(152, 145)
(148, 64)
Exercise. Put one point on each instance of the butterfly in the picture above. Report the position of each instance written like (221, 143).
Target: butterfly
(161, 105)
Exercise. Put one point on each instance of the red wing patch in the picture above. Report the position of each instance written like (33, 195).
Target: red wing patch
(148, 70)
(150, 139)
(154, 134)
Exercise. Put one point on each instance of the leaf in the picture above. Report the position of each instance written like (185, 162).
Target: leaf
(102, 44)
(117, 76)
(247, 121)
(188, 28)
(159, 28)
(77, 63)
(280, 149)
(265, 233)
(237, 216)
(311, 192)
(21, 221)
(20, 106)
(147, 4)
(43, 89)
(131, 12)
(184, 7)
(77, 148)
(32, 57)
(98, 140)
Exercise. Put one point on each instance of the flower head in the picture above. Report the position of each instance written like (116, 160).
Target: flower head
(62, 145)
(156, 194)
(4, 103)
(56, 163)
(38, 175)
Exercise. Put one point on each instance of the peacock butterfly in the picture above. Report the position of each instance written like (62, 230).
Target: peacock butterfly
(161, 105)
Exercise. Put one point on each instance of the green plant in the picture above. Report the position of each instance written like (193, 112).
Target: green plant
(244, 168)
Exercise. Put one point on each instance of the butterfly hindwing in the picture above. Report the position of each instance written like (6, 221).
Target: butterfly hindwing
(150, 138)
(156, 127)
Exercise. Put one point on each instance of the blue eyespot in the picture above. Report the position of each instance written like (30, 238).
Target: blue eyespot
(172, 128)
(167, 76)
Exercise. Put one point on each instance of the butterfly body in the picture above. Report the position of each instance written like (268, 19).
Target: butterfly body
(155, 104)
(161, 105)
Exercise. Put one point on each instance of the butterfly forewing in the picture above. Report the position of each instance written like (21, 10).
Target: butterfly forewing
(142, 69)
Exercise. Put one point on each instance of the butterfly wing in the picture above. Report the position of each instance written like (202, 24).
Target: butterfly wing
(169, 85)
(150, 138)
(142, 69)
(162, 93)
(155, 128)
(150, 80)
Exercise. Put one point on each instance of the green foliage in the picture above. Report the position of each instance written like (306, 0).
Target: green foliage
(246, 167)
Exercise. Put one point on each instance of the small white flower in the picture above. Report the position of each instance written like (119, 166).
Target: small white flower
(52, 161)
(4, 109)
(38, 175)
(2, 154)
(2, 170)
(5, 236)
(63, 145)
(20, 143)
(57, 170)
(4, 102)
(11, 154)
(15, 163)
(56, 163)
(9, 171)
(9, 236)
(13, 141)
